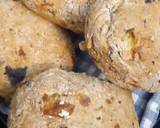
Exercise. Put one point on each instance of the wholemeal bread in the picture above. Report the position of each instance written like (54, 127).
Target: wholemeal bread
(68, 14)
(28, 45)
(123, 37)
(60, 99)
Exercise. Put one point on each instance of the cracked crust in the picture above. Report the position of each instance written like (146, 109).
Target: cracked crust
(68, 14)
(60, 99)
(27, 40)
(123, 38)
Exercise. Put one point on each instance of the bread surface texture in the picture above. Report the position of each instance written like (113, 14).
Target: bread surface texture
(28, 45)
(61, 99)
(123, 39)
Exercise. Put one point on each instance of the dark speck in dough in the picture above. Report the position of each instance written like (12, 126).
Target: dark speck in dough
(15, 75)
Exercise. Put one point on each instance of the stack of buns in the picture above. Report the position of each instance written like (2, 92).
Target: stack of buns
(37, 59)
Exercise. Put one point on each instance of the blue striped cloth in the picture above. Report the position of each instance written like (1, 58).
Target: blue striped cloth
(147, 105)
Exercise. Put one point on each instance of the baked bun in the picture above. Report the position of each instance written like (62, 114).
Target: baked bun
(28, 45)
(69, 14)
(60, 99)
(123, 37)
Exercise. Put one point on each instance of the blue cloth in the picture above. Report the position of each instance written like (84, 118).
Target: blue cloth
(147, 105)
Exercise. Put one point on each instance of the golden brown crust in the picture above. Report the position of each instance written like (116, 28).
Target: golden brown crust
(123, 38)
(27, 40)
(60, 99)
(68, 14)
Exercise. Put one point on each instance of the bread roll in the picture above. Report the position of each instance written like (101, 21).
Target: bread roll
(123, 37)
(28, 45)
(60, 99)
(68, 14)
